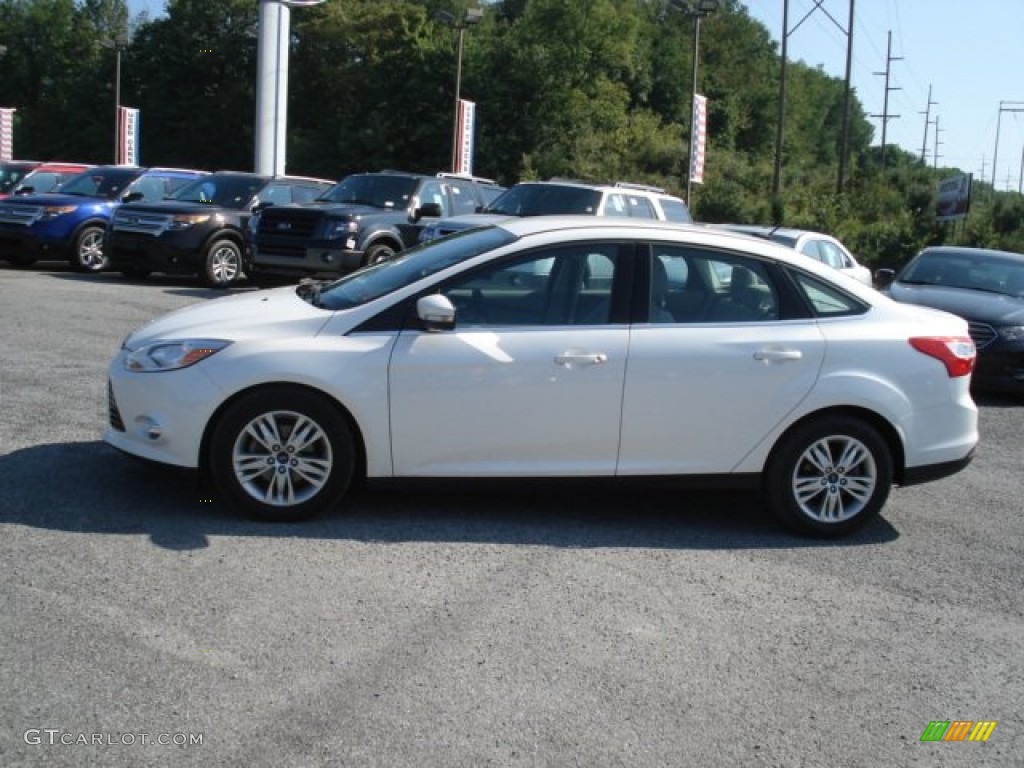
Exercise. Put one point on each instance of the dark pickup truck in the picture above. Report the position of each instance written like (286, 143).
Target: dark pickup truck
(364, 219)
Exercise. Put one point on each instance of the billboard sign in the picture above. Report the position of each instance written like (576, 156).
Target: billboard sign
(698, 138)
(953, 198)
(6, 133)
(128, 151)
(464, 148)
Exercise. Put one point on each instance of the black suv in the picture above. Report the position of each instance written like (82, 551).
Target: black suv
(202, 228)
(364, 219)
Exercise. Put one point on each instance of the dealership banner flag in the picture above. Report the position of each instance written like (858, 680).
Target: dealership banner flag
(464, 147)
(6, 133)
(128, 151)
(698, 138)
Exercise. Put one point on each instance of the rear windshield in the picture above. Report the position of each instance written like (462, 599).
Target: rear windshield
(546, 199)
(225, 191)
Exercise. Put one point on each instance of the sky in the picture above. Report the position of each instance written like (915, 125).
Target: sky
(968, 52)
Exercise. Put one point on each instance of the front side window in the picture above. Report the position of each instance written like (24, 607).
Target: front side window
(462, 198)
(433, 192)
(565, 285)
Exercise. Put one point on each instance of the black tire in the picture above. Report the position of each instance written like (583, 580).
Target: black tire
(135, 273)
(87, 253)
(222, 264)
(316, 473)
(829, 477)
(375, 254)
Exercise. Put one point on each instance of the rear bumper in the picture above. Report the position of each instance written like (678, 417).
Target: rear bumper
(929, 472)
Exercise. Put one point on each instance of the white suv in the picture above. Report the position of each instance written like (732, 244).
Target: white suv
(561, 196)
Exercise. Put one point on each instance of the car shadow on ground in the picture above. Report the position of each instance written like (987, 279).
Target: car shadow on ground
(89, 487)
(175, 285)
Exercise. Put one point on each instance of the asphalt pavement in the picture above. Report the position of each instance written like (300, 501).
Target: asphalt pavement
(143, 624)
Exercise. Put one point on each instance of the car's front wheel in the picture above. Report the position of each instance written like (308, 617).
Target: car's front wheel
(223, 264)
(87, 254)
(282, 453)
(375, 254)
(829, 476)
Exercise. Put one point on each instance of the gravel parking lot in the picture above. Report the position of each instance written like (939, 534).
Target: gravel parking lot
(446, 625)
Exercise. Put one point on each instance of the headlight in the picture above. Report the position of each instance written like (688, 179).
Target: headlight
(186, 220)
(172, 355)
(340, 228)
(51, 212)
(1012, 333)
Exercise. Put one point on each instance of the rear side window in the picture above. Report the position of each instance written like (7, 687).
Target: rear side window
(825, 300)
(675, 210)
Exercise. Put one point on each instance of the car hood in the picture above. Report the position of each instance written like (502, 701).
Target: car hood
(176, 206)
(55, 198)
(995, 308)
(275, 313)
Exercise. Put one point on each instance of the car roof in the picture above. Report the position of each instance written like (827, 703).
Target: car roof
(59, 166)
(964, 250)
(762, 230)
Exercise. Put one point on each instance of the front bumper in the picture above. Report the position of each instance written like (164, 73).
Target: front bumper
(26, 242)
(273, 255)
(177, 253)
(160, 416)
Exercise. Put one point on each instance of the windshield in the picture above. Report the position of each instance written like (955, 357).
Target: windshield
(973, 272)
(9, 176)
(106, 184)
(371, 283)
(379, 190)
(227, 191)
(546, 199)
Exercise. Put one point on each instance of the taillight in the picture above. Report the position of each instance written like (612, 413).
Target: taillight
(957, 353)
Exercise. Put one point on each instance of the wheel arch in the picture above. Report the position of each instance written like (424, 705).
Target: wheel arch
(383, 237)
(218, 414)
(884, 428)
(224, 233)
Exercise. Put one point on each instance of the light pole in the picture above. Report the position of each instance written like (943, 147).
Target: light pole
(118, 43)
(273, 40)
(471, 17)
(693, 10)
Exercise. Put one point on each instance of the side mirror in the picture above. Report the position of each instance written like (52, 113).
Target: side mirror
(133, 197)
(436, 313)
(260, 206)
(428, 210)
(884, 277)
(24, 190)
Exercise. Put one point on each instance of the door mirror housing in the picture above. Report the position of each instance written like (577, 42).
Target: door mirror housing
(436, 313)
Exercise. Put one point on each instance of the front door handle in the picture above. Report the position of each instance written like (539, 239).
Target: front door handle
(778, 355)
(569, 359)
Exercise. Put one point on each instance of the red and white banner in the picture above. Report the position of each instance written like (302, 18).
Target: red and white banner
(698, 138)
(6, 133)
(128, 150)
(464, 147)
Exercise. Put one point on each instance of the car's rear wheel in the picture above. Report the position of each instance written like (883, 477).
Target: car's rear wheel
(223, 264)
(829, 476)
(282, 454)
(87, 254)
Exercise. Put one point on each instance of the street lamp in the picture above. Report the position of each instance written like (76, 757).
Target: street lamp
(693, 10)
(118, 43)
(471, 17)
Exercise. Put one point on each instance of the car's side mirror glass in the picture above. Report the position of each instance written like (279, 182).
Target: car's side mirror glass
(884, 277)
(132, 197)
(24, 190)
(428, 210)
(436, 313)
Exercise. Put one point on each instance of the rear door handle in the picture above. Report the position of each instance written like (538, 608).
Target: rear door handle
(569, 359)
(778, 355)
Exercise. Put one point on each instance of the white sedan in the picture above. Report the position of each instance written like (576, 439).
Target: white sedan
(558, 347)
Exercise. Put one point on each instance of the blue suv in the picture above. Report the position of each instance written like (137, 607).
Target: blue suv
(70, 223)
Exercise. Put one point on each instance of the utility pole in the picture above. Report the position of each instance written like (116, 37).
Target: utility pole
(844, 144)
(845, 139)
(935, 163)
(1011, 106)
(886, 117)
(927, 121)
(1020, 184)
